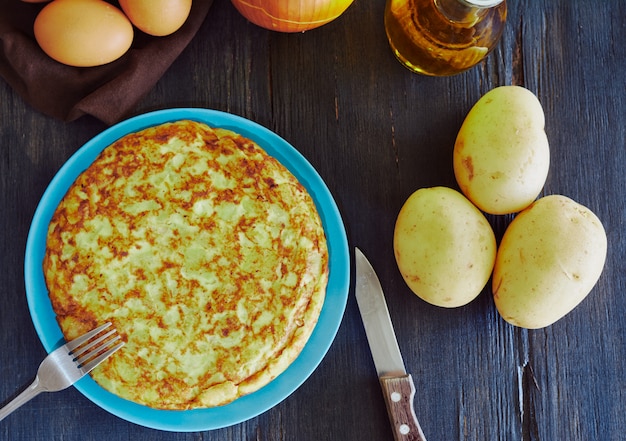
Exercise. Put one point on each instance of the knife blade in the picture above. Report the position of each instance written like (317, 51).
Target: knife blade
(397, 385)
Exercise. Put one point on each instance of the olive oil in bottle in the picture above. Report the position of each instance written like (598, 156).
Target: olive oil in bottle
(443, 37)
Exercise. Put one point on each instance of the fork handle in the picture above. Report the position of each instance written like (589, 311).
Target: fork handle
(28, 394)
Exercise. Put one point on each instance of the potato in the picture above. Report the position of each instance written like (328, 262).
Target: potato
(444, 247)
(501, 154)
(550, 257)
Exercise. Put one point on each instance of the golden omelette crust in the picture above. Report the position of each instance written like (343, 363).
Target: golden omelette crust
(207, 255)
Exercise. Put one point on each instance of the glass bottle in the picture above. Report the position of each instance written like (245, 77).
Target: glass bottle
(443, 37)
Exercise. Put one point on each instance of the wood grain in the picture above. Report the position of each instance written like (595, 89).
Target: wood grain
(399, 393)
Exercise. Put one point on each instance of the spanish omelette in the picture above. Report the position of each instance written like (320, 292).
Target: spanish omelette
(205, 252)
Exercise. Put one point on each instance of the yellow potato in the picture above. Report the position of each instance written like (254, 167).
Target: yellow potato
(444, 247)
(550, 257)
(501, 154)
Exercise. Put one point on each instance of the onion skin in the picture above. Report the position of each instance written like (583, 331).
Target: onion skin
(291, 15)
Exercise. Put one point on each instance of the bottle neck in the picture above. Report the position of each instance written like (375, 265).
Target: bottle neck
(467, 12)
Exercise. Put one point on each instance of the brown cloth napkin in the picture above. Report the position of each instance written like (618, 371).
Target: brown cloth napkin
(108, 92)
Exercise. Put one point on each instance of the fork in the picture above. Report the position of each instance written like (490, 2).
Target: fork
(68, 364)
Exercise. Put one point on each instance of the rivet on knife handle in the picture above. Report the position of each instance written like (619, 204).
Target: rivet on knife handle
(399, 393)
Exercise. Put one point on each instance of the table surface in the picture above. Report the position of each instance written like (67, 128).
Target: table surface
(377, 132)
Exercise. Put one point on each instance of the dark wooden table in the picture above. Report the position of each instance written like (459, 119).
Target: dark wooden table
(377, 132)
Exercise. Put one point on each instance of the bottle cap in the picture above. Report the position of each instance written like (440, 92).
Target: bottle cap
(483, 3)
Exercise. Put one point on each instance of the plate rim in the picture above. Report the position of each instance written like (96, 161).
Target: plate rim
(324, 333)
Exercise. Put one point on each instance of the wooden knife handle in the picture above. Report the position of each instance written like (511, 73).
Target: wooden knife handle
(399, 393)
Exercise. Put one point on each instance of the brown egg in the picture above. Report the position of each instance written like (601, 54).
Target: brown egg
(83, 33)
(157, 17)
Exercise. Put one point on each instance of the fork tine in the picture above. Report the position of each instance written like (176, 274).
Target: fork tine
(86, 368)
(62, 368)
(81, 349)
(83, 338)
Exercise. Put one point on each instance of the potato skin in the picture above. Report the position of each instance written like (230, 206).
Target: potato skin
(549, 259)
(501, 155)
(444, 247)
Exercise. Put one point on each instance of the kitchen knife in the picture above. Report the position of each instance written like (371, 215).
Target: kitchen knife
(397, 385)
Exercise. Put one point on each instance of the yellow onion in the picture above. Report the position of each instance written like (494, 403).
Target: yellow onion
(291, 15)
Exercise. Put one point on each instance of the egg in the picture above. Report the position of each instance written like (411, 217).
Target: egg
(157, 17)
(83, 33)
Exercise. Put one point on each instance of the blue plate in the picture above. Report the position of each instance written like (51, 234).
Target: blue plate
(245, 407)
